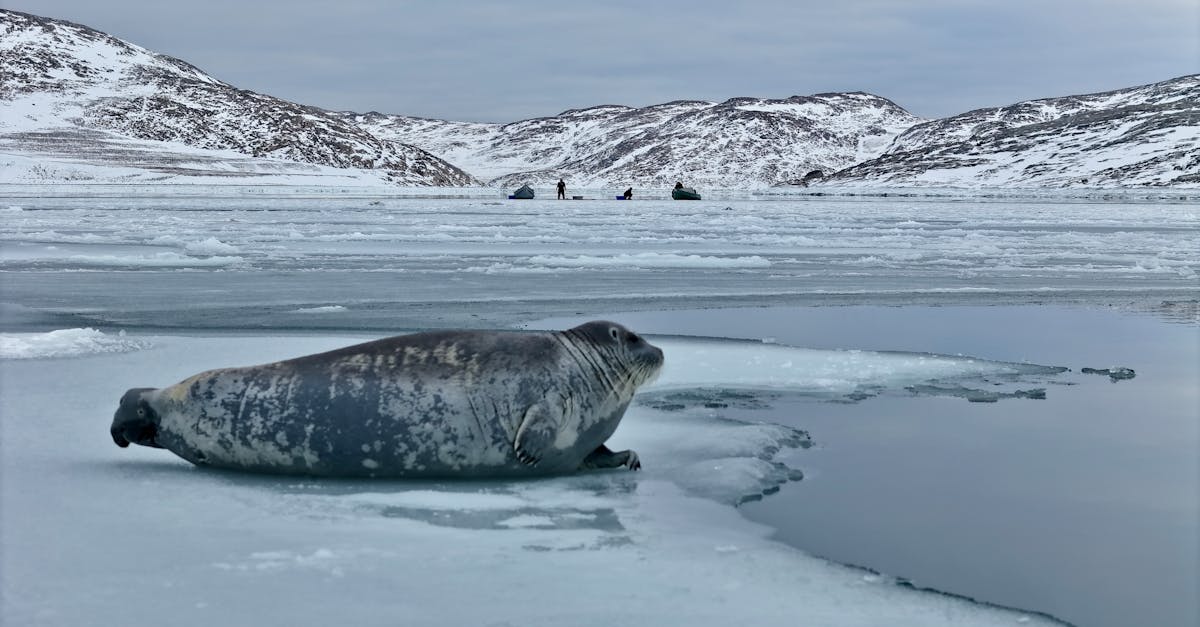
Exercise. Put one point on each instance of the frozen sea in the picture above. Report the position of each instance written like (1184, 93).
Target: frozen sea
(874, 409)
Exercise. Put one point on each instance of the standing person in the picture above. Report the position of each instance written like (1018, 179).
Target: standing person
(562, 190)
(629, 193)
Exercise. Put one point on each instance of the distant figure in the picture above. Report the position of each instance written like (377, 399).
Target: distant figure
(684, 193)
(562, 190)
(629, 194)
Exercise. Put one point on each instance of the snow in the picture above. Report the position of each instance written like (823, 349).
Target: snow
(720, 364)
(739, 244)
(92, 242)
(104, 158)
(1132, 137)
(650, 260)
(66, 343)
(81, 95)
(325, 309)
(210, 246)
(86, 521)
(88, 526)
(619, 146)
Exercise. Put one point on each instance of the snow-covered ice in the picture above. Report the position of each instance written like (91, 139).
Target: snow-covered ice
(65, 343)
(211, 276)
(93, 534)
(398, 261)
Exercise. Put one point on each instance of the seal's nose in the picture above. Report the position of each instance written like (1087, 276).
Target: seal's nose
(134, 421)
(118, 436)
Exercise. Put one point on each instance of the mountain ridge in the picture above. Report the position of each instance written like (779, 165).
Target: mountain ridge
(123, 91)
(79, 104)
(741, 140)
(1148, 135)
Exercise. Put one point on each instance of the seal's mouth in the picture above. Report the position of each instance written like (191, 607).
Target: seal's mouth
(650, 368)
(144, 434)
(135, 421)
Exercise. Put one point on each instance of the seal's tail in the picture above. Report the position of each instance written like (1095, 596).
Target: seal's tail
(135, 421)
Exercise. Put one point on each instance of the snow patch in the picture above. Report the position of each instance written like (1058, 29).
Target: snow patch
(726, 364)
(157, 260)
(66, 343)
(210, 246)
(649, 260)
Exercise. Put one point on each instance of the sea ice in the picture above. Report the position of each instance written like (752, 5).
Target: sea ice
(93, 534)
(1116, 373)
(66, 343)
(324, 309)
(843, 375)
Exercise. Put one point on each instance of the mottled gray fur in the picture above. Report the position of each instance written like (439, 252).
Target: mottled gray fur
(437, 404)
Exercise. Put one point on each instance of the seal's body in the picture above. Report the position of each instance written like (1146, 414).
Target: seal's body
(437, 404)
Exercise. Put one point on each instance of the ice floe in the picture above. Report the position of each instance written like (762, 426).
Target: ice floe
(66, 343)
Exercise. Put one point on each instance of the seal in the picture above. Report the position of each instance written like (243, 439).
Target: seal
(434, 404)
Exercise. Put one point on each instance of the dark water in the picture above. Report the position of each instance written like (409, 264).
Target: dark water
(1084, 505)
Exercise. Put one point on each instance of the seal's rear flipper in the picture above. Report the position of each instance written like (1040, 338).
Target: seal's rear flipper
(135, 421)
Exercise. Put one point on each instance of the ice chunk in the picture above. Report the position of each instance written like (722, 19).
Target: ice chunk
(66, 343)
(210, 246)
(714, 368)
(157, 260)
(972, 394)
(1118, 373)
(320, 310)
(712, 456)
(649, 260)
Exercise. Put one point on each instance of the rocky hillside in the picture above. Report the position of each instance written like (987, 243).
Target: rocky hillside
(76, 104)
(65, 80)
(740, 143)
(1148, 135)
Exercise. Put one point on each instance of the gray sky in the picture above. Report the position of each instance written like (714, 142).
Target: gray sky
(504, 61)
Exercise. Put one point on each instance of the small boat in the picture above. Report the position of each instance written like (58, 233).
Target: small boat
(525, 192)
(684, 193)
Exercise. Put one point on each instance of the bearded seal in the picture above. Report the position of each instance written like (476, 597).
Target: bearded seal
(433, 404)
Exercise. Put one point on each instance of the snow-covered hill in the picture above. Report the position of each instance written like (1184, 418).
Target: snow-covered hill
(79, 105)
(740, 143)
(1148, 135)
(93, 104)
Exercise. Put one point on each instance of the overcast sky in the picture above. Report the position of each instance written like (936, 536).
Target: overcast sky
(516, 59)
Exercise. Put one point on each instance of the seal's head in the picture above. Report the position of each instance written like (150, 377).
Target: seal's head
(631, 357)
(135, 421)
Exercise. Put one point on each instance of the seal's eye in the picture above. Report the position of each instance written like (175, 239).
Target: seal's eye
(613, 332)
(141, 412)
(633, 338)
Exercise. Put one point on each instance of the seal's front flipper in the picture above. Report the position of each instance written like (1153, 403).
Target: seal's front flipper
(536, 435)
(603, 457)
(135, 421)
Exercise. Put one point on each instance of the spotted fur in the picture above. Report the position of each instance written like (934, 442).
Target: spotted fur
(436, 404)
